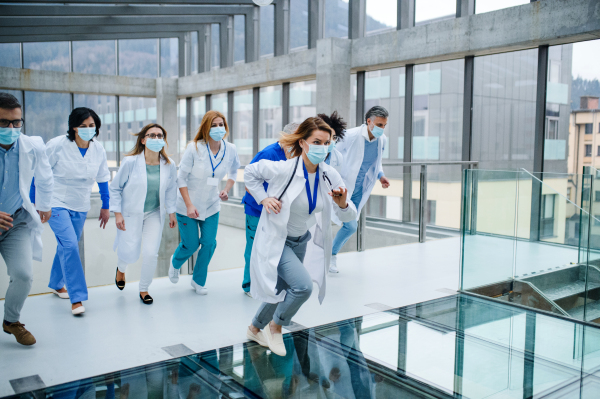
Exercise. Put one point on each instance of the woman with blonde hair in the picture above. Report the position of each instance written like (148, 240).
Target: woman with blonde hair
(142, 192)
(204, 164)
(292, 245)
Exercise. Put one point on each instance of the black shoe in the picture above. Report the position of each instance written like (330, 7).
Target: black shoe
(147, 299)
(120, 284)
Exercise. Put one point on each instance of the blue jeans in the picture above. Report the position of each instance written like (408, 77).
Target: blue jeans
(67, 270)
(190, 241)
(348, 228)
(251, 224)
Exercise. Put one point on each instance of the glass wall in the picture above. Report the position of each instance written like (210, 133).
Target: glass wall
(493, 5)
(298, 25)
(239, 39)
(303, 100)
(48, 56)
(198, 111)
(97, 57)
(504, 110)
(428, 11)
(381, 16)
(219, 103)
(215, 48)
(182, 124)
(270, 116)
(11, 55)
(353, 91)
(47, 114)
(169, 57)
(138, 58)
(267, 31)
(106, 108)
(194, 52)
(336, 18)
(134, 114)
(242, 124)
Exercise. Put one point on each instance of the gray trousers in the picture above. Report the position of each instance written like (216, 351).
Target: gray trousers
(294, 279)
(16, 250)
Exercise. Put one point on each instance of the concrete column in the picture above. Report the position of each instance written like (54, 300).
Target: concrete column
(204, 49)
(333, 76)
(316, 22)
(184, 54)
(357, 11)
(251, 35)
(465, 8)
(282, 27)
(406, 14)
(226, 42)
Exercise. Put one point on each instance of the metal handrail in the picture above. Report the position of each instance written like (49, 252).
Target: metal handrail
(432, 163)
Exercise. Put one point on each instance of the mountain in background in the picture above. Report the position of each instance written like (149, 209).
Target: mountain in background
(582, 87)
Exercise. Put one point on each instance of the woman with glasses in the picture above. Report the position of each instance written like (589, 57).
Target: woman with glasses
(296, 208)
(77, 160)
(142, 192)
(204, 164)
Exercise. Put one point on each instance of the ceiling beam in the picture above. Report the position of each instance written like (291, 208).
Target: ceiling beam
(89, 36)
(123, 2)
(87, 11)
(59, 22)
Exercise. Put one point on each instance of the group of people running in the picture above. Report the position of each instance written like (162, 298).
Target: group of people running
(317, 173)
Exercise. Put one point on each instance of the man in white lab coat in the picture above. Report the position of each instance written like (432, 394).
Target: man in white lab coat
(362, 151)
(21, 158)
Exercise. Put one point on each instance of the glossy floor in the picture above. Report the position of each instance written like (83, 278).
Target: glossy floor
(458, 346)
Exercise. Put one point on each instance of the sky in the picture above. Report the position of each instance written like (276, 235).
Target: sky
(585, 59)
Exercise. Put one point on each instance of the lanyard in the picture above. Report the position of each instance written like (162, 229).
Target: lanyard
(210, 155)
(312, 204)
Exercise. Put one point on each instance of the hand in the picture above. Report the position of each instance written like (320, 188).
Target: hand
(5, 221)
(104, 216)
(271, 204)
(45, 216)
(339, 197)
(120, 221)
(172, 220)
(223, 195)
(192, 212)
(385, 183)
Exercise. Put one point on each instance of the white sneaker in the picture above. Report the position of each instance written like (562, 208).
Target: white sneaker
(200, 290)
(173, 273)
(248, 294)
(61, 295)
(78, 310)
(333, 265)
(258, 338)
(274, 341)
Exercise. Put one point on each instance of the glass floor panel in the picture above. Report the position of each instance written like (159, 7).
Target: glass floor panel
(458, 346)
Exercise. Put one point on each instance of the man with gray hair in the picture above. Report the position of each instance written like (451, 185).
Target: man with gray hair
(362, 151)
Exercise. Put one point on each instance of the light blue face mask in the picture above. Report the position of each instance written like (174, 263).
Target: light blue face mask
(317, 153)
(217, 133)
(86, 133)
(155, 144)
(377, 131)
(8, 135)
(331, 147)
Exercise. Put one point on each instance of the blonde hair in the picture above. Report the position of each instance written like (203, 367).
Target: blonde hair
(140, 147)
(204, 130)
(291, 142)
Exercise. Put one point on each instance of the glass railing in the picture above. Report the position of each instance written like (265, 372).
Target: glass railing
(528, 239)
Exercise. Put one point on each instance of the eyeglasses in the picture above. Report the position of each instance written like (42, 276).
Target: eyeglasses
(15, 123)
(159, 136)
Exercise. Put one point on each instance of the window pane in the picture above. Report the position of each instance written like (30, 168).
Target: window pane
(134, 114)
(169, 57)
(269, 116)
(96, 57)
(138, 58)
(106, 108)
(198, 111)
(493, 5)
(194, 52)
(48, 56)
(242, 124)
(267, 31)
(504, 110)
(298, 25)
(353, 90)
(303, 100)
(336, 18)
(215, 52)
(381, 16)
(11, 55)
(47, 114)
(219, 103)
(239, 40)
(428, 11)
(182, 122)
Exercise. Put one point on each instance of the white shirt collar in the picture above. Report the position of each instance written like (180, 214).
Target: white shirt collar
(365, 134)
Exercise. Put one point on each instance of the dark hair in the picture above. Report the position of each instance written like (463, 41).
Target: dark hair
(8, 101)
(335, 122)
(376, 111)
(78, 116)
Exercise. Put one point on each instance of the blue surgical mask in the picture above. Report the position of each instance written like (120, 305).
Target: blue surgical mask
(8, 135)
(376, 131)
(217, 133)
(86, 133)
(155, 144)
(331, 147)
(317, 153)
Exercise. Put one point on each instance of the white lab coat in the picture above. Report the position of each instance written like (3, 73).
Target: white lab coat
(74, 175)
(33, 162)
(271, 231)
(336, 159)
(352, 149)
(194, 171)
(127, 196)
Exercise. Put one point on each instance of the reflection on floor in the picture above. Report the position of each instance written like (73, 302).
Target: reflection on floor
(458, 346)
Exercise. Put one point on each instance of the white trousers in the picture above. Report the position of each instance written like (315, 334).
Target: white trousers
(151, 237)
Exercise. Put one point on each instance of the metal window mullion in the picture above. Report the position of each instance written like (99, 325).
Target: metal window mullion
(158, 69)
(282, 27)
(408, 140)
(405, 14)
(423, 211)
(285, 103)
(316, 22)
(118, 127)
(22, 57)
(208, 102)
(357, 10)
(70, 56)
(188, 119)
(255, 119)
(230, 122)
(360, 112)
(117, 57)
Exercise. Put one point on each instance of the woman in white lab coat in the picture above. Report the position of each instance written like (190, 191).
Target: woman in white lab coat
(141, 194)
(204, 164)
(77, 161)
(292, 245)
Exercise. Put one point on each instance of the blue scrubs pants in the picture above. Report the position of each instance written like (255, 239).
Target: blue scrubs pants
(191, 240)
(348, 228)
(251, 224)
(67, 270)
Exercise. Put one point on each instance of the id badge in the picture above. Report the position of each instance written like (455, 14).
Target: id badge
(212, 181)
